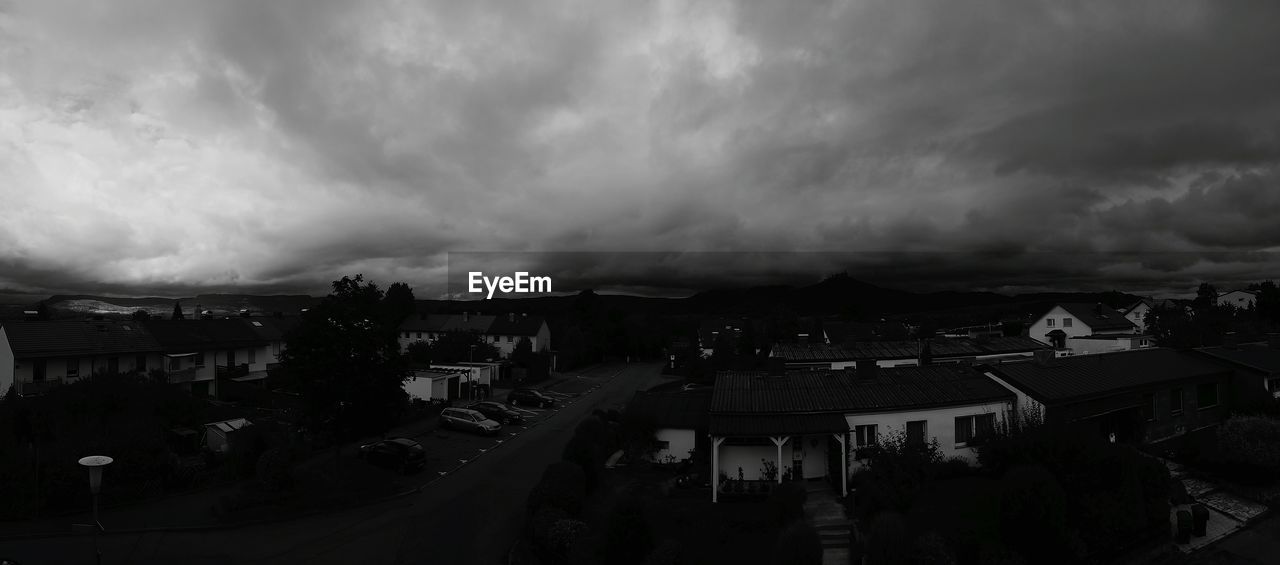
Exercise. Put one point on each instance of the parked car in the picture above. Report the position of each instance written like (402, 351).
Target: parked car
(399, 453)
(466, 419)
(530, 397)
(498, 413)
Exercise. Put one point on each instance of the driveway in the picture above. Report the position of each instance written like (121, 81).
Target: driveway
(471, 515)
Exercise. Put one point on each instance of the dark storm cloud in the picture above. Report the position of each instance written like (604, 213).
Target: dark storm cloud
(237, 145)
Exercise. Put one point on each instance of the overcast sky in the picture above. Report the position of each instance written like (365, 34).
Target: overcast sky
(178, 146)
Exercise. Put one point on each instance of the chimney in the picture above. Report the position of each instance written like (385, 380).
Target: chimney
(1231, 341)
(866, 369)
(1044, 357)
(1273, 340)
(1097, 309)
(925, 356)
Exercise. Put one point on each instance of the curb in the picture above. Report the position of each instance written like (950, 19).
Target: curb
(265, 521)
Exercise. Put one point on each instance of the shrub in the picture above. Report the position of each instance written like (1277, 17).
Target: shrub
(786, 504)
(887, 541)
(275, 469)
(540, 526)
(668, 552)
(627, 538)
(1033, 513)
(931, 549)
(562, 537)
(798, 544)
(1250, 441)
(563, 486)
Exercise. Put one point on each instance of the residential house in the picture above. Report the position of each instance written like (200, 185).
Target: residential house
(503, 332)
(811, 424)
(1257, 368)
(905, 352)
(1137, 312)
(197, 353)
(38, 354)
(1140, 396)
(274, 332)
(473, 375)
(1079, 329)
(1243, 299)
(680, 419)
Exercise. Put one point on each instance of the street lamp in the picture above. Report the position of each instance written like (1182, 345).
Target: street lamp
(95, 464)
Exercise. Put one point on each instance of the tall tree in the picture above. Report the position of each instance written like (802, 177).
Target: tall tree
(177, 311)
(347, 363)
(398, 304)
(1206, 295)
(140, 315)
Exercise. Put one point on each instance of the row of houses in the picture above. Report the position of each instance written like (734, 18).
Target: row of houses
(36, 355)
(817, 423)
(503, 332)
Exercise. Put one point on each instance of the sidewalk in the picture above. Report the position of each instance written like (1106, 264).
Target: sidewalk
(1227, 513)
(194, 510)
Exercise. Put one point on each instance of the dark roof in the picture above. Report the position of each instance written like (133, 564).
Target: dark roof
(1097, 316)
(905, 349)
(1090, 376)
(69, 338)
(777, 424)
(273, 329)
(492, 325)
(678, 410)
(204, 334)
(843, 391)
(516, 324)
(1238, 290)
(1257, 357)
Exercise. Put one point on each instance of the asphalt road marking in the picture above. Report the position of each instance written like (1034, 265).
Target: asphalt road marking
(464, 461)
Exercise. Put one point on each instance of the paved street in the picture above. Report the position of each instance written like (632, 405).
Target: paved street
(467, 516)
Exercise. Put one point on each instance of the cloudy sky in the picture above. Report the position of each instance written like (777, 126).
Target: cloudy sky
(177, 146)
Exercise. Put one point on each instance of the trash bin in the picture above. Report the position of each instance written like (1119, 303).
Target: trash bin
(1183, 535)
(1199, 519)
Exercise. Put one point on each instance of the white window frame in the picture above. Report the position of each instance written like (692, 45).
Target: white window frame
(1048, 322)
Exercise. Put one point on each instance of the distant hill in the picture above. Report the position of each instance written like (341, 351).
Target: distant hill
(838, 295)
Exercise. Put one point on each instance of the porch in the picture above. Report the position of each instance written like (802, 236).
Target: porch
(750, 450)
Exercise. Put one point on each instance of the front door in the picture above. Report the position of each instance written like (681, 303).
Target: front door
(797, 458)
(231, 358)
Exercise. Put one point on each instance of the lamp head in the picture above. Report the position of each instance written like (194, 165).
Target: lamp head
(95, 463)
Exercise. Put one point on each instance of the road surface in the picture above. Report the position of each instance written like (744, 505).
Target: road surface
(470, 516)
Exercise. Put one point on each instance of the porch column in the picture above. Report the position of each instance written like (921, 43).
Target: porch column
(715, 467)
(844, 465)
(779, 441)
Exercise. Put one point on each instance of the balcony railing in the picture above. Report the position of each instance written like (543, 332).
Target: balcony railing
(231, 372)
(37, 387)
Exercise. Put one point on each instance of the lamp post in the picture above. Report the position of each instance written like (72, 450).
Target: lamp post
(95, 464)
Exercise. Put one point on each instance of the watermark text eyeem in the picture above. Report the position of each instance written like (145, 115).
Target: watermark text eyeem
(521, 283)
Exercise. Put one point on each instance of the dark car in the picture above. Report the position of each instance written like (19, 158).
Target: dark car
(398, 453)
(529, 397)
(468, 420)
(498, 413)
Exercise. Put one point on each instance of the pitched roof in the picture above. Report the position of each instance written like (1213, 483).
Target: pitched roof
(424, 323)
(1257, 357)
(843, 391)
(203, 334)
(1097, 316)
(1238, 290)
(516, 324)
(73, 338)
(1090, 376)
(777, 424)
(685, 410)
(273, 329)
(905, 349)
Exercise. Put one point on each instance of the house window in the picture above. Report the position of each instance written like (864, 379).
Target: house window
(73, 368)
(140, 364)
(253, 355)
(1066, 322)
(509, 339)
(1175, 401)
(1149, 407)
(865, 435)
(1273, 385)
(1206, 395)
(971, 428)
(1049, 322)
(113, 365)
(662, 444)
(916, 431)
(200, 359)
(175, 363)
(37, 370)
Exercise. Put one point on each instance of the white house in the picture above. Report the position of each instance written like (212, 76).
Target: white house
(503, 332)
(436, 384)
(1079, 328)
(36, 355)
(1243, 299)
(199, 353)
(680, 419)
(902, 353)
(792, 422)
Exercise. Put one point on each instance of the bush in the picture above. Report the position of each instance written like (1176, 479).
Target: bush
(562, 486)
(798, 544)
(1033, 514)
(669, 552)
(1252, 442)
(931, 549)
(275, 469)
(887, 541)
(786, 504)
(627, 538)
